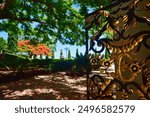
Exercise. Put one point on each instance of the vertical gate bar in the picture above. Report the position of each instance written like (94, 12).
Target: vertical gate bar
(87, 62)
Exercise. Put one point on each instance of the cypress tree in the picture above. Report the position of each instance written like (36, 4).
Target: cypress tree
(61, 54)
(53, 56)
(12, 44)
(69, 54)
(77, 53)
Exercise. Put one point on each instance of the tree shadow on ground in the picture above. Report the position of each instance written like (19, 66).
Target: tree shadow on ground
(54, 86)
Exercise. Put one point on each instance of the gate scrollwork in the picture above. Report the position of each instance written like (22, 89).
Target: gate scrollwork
(128, 46)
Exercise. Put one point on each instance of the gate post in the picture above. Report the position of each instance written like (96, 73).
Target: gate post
(87, 62)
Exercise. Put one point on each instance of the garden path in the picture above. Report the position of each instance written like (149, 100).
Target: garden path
(54, 86)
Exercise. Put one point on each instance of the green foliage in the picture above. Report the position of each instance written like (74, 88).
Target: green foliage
(60, 65)
(3, 45)
(18, 61)
(41, 56)
(107, 54)
(79, 65)
(76, 66)
(87, 6)
(61, 54)
(53, 55)
(48, 20)
(51, 20)
(77, 53)
(12, 44)
(69, 54)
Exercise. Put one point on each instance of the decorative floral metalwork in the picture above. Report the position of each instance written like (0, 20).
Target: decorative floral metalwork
(131, 78)
(106, 63)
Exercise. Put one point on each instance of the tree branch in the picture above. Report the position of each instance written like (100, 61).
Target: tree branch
(23, 19)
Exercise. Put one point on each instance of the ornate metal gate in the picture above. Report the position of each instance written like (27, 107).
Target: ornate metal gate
(122, 30)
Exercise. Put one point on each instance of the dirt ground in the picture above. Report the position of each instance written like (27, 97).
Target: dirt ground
(53, 86)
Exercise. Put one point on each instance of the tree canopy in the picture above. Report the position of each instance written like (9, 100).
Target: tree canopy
(47, 20)
(3, 45)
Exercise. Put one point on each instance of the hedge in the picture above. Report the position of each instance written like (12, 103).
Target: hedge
(18, 62)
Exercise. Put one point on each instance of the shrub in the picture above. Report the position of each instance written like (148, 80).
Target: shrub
(79, 66)
(76, 66)
(60, 65)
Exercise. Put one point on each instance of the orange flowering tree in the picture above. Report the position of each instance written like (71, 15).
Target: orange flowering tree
(31, 49)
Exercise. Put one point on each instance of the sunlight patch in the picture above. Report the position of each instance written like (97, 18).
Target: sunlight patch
(30, 92)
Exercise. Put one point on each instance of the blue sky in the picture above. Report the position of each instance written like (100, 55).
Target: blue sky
(59, 46)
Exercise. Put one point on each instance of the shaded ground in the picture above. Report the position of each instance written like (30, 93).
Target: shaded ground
(48, 87)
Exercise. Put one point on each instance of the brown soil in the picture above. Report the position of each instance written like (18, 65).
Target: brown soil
(53, 86)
